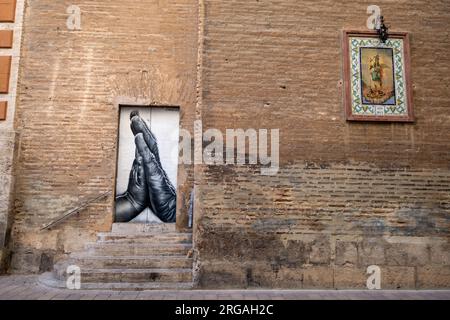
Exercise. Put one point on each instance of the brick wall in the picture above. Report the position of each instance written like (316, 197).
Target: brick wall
(348, 195)
(138, 52)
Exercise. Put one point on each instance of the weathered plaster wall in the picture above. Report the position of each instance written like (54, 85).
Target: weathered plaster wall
(9, 137)
(134, 52)
(348, 195)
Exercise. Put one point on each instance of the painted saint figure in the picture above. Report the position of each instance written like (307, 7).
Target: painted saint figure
(149, 185)
(376, 72)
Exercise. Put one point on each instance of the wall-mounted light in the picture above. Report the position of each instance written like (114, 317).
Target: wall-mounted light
(383, 30)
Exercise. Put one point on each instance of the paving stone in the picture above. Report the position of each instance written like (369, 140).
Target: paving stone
(18, 288)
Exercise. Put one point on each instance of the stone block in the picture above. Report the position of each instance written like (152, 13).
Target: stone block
(440, 254)
(320, 252)
(2, 260)
(433, 277)
(25, 261)
(371, 252)
(404, 254)
(350, 278)
(221, 275)
(288, 278)
(393, 278)
(317, 277)
(265, 275)
(2, 233)
(346, 253)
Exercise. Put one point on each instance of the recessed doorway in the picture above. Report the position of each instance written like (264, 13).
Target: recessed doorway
(147, 166)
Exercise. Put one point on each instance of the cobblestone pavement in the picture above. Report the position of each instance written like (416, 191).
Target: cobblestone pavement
(28, 288)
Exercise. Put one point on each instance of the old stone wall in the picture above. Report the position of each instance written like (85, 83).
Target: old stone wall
(72, 81)
(348, 195)
(11, 19)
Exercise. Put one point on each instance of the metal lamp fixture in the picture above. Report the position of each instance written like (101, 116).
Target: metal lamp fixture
(383, 30)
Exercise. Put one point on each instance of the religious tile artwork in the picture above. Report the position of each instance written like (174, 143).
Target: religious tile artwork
(147, 165)
(377, 77)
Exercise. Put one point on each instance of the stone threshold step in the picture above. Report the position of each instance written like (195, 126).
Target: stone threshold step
(140, 262)
(152, 239)
(146, 241)
(82, 255)
(138, 228)
(122, 249)
(47, 279)
(103, 235)
(141, 245)
(131, 275)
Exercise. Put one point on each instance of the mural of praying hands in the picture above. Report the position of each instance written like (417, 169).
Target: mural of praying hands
(138, 125)
(161, 192)
(148, 185)
(135, 199)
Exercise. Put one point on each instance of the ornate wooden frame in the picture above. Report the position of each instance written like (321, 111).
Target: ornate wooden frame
(347, 77)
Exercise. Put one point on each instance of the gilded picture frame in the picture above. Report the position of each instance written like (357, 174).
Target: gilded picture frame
(377, 77)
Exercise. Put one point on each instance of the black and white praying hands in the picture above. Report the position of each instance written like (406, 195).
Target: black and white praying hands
(148, 185)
